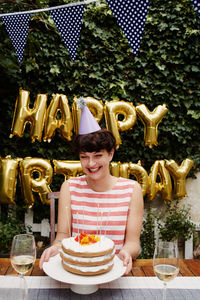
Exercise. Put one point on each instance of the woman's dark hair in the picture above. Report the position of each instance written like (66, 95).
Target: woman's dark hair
(94, 142)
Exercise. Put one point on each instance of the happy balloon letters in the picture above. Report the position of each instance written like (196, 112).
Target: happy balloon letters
(119, 116)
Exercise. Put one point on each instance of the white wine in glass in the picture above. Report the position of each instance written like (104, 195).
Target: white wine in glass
(23, 255)
(166, 262)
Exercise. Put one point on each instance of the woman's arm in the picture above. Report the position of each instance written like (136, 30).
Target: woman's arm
(131, 246)
(63, 226)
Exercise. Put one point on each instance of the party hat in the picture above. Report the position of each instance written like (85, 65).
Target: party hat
(88, 123)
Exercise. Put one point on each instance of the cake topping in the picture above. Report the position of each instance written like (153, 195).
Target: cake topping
(86, 239)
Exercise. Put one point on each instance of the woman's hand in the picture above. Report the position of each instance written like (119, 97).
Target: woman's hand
(127, 260)
(51, 251)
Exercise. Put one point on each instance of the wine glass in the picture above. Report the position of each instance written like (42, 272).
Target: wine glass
(23, 255)
(166, 262)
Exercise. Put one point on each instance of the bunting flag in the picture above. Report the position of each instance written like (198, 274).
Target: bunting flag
(17, 27)
(196, 4)
(69, 22)
(131, 16)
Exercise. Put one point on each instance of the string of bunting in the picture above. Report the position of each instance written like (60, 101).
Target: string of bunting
(196, 4)
(130, 15)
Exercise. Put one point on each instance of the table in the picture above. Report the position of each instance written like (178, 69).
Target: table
(141, 268)
(140, 284)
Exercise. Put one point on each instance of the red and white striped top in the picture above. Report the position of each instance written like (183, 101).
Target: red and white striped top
(102, 213)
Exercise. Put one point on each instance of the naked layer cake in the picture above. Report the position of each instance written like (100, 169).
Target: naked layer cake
(87, 254)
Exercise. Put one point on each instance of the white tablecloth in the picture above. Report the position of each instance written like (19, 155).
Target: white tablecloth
(35, 282)
(46, 288)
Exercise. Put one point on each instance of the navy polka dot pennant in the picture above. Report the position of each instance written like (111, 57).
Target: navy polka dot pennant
(69, 22)
(17, 27)
(196, 4)
(131, 16)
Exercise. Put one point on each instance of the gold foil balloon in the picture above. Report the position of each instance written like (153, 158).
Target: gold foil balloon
(23, 114)
(112, 111)
(115, 168)
(36, 176)
(141, 175)
(151, 121)
(8, 179)
(54, 121)
(94, 105)
(124, 170)
(163, 185)
(179, 174)
(68, 168)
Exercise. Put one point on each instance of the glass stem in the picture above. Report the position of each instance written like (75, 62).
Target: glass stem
(164, 291)
(24, 287)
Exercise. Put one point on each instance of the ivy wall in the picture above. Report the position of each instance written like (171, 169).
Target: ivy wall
(167, 70)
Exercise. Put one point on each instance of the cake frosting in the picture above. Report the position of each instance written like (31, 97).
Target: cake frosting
(104, 244)
(90, 270)
(89, 260)
(87, 254)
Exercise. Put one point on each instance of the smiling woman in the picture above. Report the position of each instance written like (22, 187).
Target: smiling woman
(95, 165)
(95, 152)
(97, 202)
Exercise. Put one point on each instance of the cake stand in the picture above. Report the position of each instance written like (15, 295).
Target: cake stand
(78, 283)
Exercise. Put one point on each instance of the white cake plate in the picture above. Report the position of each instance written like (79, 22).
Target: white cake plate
(78, 283)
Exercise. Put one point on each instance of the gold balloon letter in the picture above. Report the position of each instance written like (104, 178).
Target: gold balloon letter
(124, 170)
(8, 174)
(68, 168)
(59, 104)
(179, 174)
(24, 114)
(112, 111)
(164, 185)
(115, 168)
(36, 176)
(94, 105)
(141, 175)
(151, 121)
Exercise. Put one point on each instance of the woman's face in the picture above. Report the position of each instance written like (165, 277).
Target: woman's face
(96, 164)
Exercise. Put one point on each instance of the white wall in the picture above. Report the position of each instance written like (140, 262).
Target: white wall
(193, 197)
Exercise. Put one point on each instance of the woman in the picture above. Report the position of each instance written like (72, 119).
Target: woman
(98, 202)
(117, 200)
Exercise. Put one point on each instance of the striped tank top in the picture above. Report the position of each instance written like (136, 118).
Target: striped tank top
(101, 213)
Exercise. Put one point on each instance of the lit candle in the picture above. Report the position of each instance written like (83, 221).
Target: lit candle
(101, 221)
(83, 210)
(97, 218)
(108, 217)
(78, 226)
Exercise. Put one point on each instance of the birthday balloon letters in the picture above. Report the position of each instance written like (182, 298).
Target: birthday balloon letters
(36, 176)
